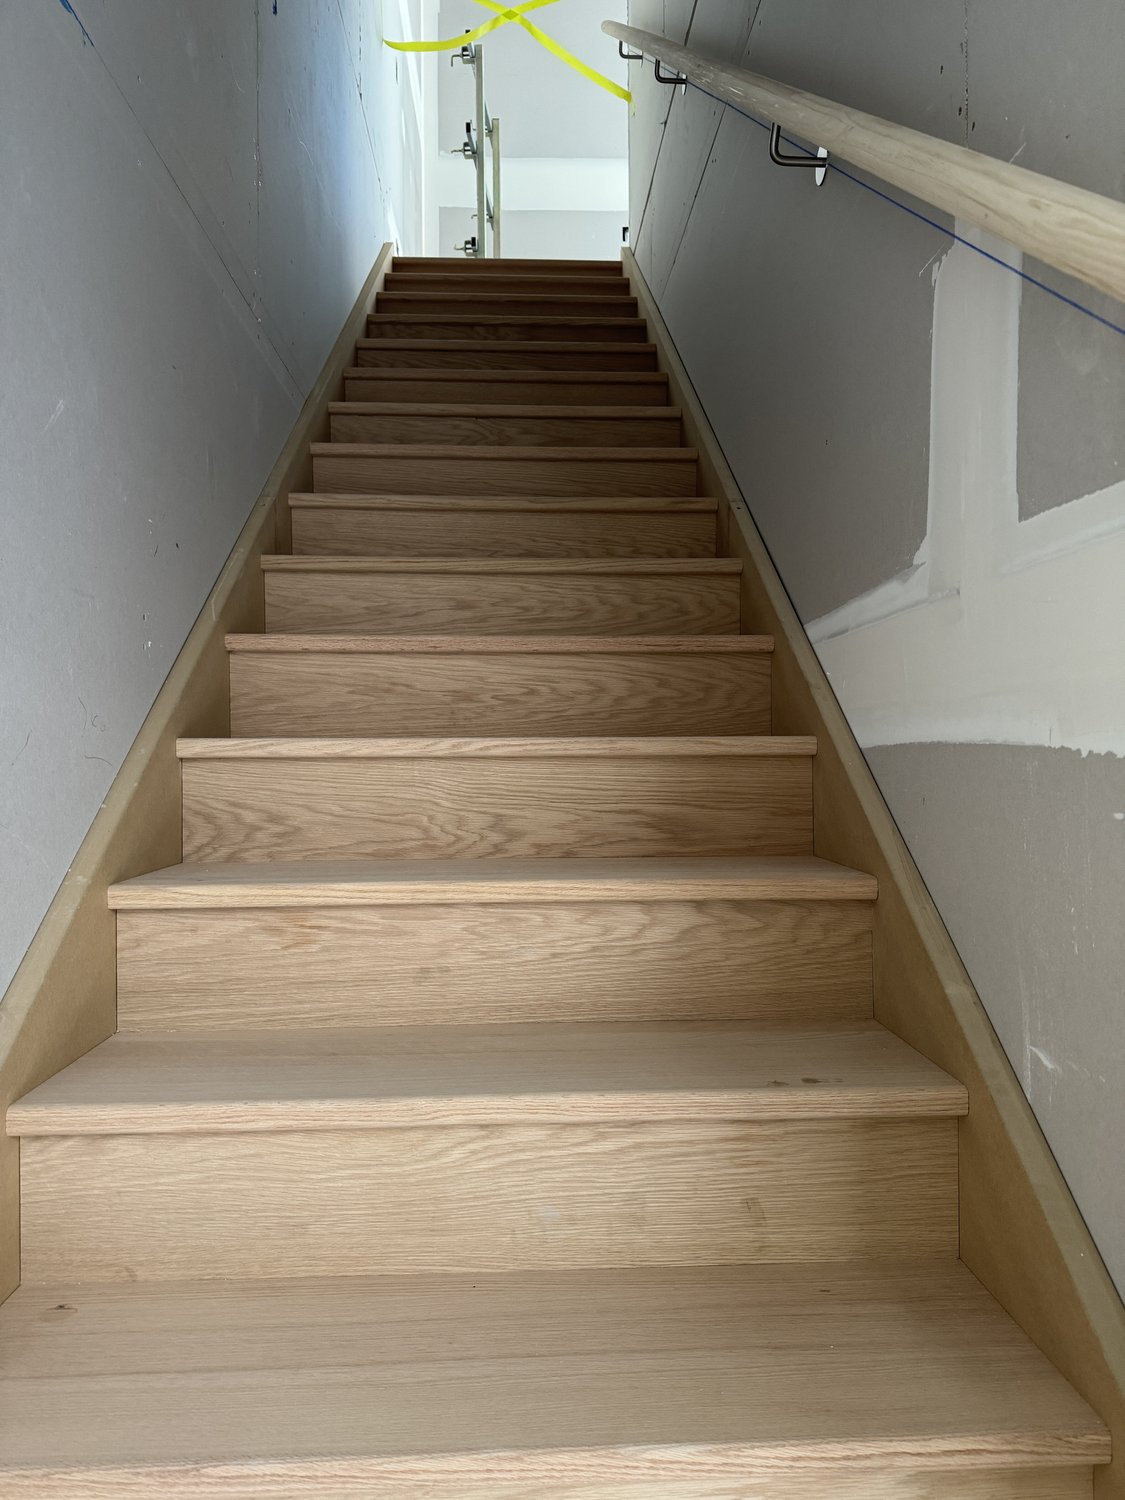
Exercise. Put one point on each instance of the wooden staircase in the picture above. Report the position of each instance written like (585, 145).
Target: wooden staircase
(497, 1108)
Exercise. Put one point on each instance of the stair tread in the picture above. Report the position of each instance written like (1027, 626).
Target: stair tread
(507, 377)
(504, 645)
(494, 747)
(512, 504)
(498, 413)
(528, 1379)
(528, 346)
(585, 567)
(481, 452)
(399, 882)
(570, 320)
(352, 1079)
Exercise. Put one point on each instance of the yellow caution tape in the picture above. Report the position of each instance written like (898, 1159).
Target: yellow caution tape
(505, 14)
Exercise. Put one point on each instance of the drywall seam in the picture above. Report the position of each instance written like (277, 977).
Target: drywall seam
(242, 280)
(1007, 632)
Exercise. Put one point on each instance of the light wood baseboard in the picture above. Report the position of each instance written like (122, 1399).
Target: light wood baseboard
(62, 1000)
(1021, 1231)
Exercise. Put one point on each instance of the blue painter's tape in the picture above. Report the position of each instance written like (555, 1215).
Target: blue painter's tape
(86, 37)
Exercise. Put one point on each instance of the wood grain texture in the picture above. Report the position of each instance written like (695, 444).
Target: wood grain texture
(400, 882)
(537, 801)
(469, 526)
(508, 387)
(1079, 232)
(405, 302)
(494, 599)
(425, 1200)
(482, 328)
(435, 469)
(509, 266)
(61, 1000)
(563, 1386)
(518, 426)
(1020, 1229)
(429, 353)
(391, 1077)
(463, 961)
(337, 691)
(526, 282)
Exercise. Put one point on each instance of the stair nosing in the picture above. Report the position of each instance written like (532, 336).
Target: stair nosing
(505, 452)
(274, 643)
(510, 567)
(532, 504)
(281, 884)
(484, 412)
(889, 1081)
(431, 747)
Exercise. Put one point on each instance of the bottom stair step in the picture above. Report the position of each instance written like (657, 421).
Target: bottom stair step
(785, 1383)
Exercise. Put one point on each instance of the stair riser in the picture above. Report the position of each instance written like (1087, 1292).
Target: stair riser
(492, 472)
(480, 604)
(450, 283)
(518, 694)
(327, 531)
(498, 356)
(472, 266)
(414, 808)
(483, 302)
(572, 328)
(469, 963)
(585, 390)
(338, 1479)
(486, 1198)
(656, 431)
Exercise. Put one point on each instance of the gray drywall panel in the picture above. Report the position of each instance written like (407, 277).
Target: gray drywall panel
(810, 347)
(154, 360)
(1072, 371)
(546, 108)
(1023, 849)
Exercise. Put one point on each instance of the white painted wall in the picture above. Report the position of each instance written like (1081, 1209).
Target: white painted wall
(194, 192)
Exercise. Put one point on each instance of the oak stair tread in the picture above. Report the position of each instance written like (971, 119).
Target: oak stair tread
(467, 266)
(495, 748)
(401, 1076)
(470, 378)
(407, 882)
(503, 645)
(437, 409)
(503, 453)
(424, 281)
(511, 504)
(488, 346)
(601, 567)
(459, 1385)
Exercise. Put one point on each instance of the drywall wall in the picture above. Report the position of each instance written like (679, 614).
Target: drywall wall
(193, 195)
(934, 450)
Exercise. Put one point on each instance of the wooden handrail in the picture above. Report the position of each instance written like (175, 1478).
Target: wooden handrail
(1079, 232)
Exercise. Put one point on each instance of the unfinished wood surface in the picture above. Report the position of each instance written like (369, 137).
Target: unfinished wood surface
(526, 282)
(517, 426)
(1080, 232)
(423, 1200)
(401, 882)
(377, 685)
(588, 303)
(435, 469)
(532, 799)
(1020, 1228)
(508, 387)
(509, 266)
(461, 961)
(431, 353)
(392, 1077)
(488, 526)
(485, 328)
(564, 597)
(558, 1386)
(61, 1000)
